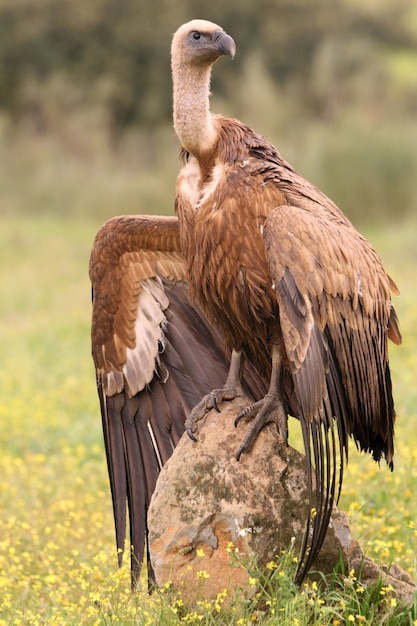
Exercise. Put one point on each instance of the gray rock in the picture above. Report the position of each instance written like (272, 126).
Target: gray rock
(207, 505)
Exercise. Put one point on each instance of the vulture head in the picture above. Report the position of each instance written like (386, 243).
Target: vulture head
(195, 47)
(200, 42)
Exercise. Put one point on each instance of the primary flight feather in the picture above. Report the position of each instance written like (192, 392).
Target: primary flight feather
(257, 256)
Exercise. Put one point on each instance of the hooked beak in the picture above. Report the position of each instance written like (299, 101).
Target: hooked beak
(224, 43)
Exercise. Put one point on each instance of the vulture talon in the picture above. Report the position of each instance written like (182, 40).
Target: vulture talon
(248, 412)
(231, 390)
(207, 403)
(191, 435)
(237, 419)
(268, 410)
(214, 404)
(239, 452)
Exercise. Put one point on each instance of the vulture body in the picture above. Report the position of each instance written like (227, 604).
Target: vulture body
(260, 264)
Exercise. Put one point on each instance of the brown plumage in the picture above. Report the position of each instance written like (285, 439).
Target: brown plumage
(156, 355)
(274, 265)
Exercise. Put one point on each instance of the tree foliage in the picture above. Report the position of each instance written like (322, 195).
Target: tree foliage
(116, 52)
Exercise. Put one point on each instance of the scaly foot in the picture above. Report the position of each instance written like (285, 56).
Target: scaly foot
(231, 390)
(269, 409)
(208, 402)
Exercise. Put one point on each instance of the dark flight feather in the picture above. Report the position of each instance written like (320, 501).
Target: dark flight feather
(142, 425)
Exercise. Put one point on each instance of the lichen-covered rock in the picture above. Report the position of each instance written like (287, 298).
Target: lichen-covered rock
(205, 502)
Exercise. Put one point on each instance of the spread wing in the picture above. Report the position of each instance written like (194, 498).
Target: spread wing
(155, 354)
(335, 315)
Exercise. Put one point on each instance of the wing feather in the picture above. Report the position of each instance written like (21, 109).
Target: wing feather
(335, 316)
(156, 355)
(350, 315)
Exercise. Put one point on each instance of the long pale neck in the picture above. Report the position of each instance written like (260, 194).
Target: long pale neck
(193, 122)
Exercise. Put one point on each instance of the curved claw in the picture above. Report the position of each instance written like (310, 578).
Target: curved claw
(214, 403)
(269, 409)
(208, 402)
(247, 412)
(238, 418)
(191, 435)
(247, 443)
(240, 452)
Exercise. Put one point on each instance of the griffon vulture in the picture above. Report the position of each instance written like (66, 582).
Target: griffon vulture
(257, 260)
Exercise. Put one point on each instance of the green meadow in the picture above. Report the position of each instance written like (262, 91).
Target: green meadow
(57, 555)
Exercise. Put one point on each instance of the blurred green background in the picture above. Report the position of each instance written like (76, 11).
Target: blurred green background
(85, 134)
(85, 99)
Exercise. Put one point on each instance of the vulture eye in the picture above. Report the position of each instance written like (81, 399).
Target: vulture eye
(195, 36)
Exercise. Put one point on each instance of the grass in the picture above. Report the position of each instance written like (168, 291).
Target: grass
(57, 560)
